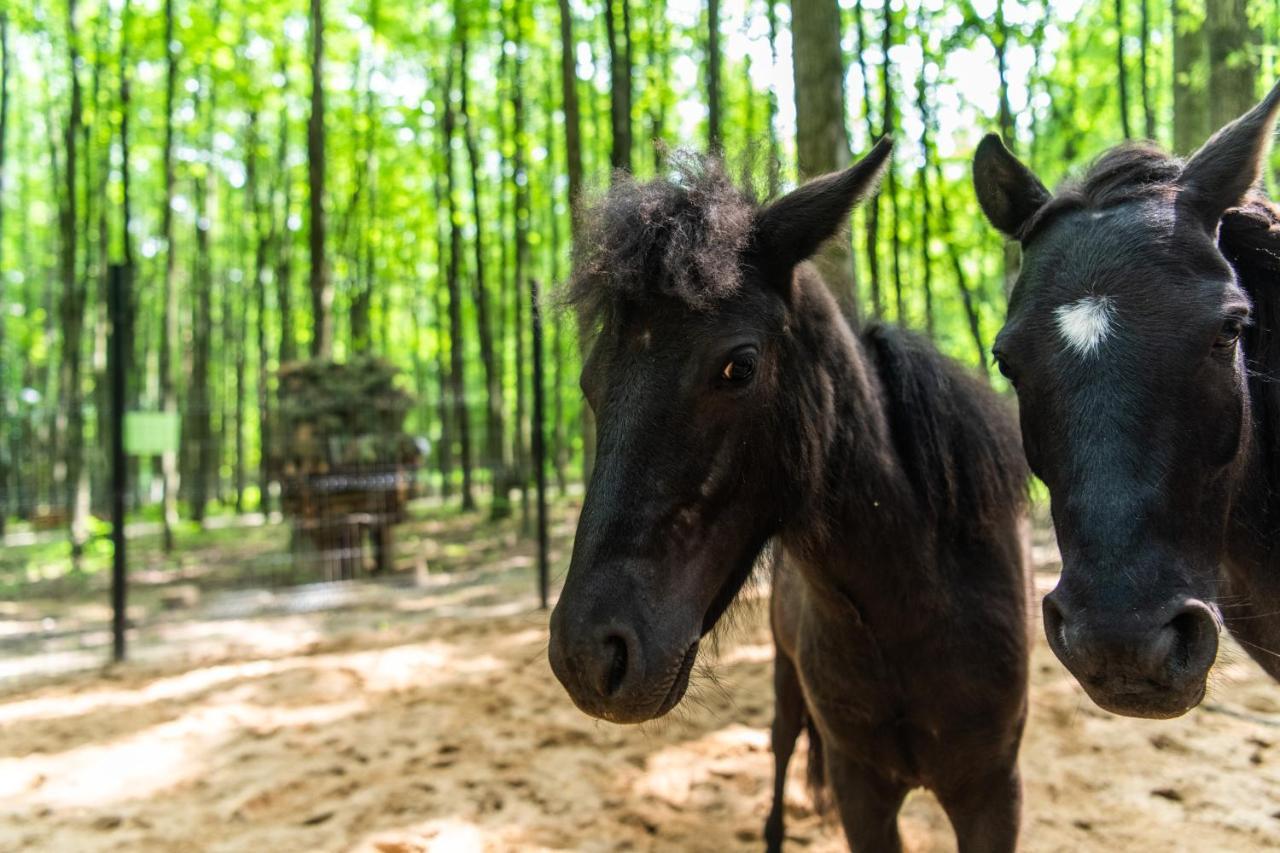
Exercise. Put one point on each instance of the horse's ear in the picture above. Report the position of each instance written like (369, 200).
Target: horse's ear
(793, 228)
(1008, 191)
(1222, 172)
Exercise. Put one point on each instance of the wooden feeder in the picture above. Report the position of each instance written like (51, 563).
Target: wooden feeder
(345, 464)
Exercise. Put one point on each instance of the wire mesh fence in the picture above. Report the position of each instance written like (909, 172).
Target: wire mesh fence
(272, 531)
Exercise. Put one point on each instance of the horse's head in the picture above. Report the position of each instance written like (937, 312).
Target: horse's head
(689, 286)
(1123, 342)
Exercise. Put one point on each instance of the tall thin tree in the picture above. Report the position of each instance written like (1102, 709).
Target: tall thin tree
(169, 296)
(1122, 70)
(457, 381)
(495, 427)
(520, 181)
(714, 133)
(72, 301)
(822, 142)
(889, 117)
(871, 209)
(618, 14)
(1144, 69)
(573, 168)
(319, 281)
(4, 359)
(925, 110)
(775, 149)
(283, 243)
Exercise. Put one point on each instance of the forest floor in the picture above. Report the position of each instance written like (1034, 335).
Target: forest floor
(427, 718)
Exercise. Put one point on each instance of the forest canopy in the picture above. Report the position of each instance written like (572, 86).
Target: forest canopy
(337, 178)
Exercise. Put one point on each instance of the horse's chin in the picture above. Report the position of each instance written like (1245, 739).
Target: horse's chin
(681, 683)
(1155, 704)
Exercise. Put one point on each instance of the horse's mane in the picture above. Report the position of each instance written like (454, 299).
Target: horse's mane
(1250, 240)
(956, 438)
(679, 235)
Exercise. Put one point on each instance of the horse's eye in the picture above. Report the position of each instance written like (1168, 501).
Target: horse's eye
(1229, 334)
(1003, 367)
(739, 368)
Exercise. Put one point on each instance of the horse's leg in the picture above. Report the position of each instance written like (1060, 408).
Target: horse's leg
(788, 719)
(985, 812)
(868, 805)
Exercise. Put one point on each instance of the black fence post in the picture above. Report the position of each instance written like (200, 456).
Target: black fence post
(539, 445)
(117, 369)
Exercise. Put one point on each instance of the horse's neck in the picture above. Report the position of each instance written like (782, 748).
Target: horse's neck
(857, 525)
(1252, 564)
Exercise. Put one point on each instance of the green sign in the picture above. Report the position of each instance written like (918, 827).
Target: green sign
(150, 433)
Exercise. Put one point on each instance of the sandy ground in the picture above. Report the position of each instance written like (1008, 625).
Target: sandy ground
(411, 730)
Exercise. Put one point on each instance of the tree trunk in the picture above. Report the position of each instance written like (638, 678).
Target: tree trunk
(363, 261)
(924, 107)
(891, 181)
(72, 303)
(457, 381)
(54, 430)
(262, 243)
(202, 454)
(321, 288)
(444, 446)
(1000, 43)
(558, 456)
(1232, 60)
(169, 298)
(5, 415)
(1144, 71)
(520, 181)
(444, 456)
(254, 219)
(658, 59)
(620, 71)
(495, 429)
(775, 150)
(139, 345)
(871, 206)
(714, 138)
(822, 143)
(1122, 73)
(284, 239)
(573, 166)
(1190, 111)
(97, 150)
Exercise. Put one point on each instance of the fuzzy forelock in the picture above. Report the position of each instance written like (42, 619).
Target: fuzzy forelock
(1130, 171)
(681, 236)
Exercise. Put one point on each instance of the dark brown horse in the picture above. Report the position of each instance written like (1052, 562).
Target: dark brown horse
(736, 406)
(1143, 337)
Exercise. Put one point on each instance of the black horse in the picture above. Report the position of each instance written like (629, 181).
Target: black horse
(736, 406)
(1142, 338)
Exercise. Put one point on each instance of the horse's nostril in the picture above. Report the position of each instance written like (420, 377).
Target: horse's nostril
(1055, 625)
(1194, 640)
(617, 655)
(1185, 634)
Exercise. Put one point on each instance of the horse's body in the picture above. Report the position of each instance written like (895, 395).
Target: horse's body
(900, 624)
(1144, 340)
(736, 406)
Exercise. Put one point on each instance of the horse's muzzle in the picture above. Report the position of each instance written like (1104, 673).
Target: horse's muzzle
(610, 673)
